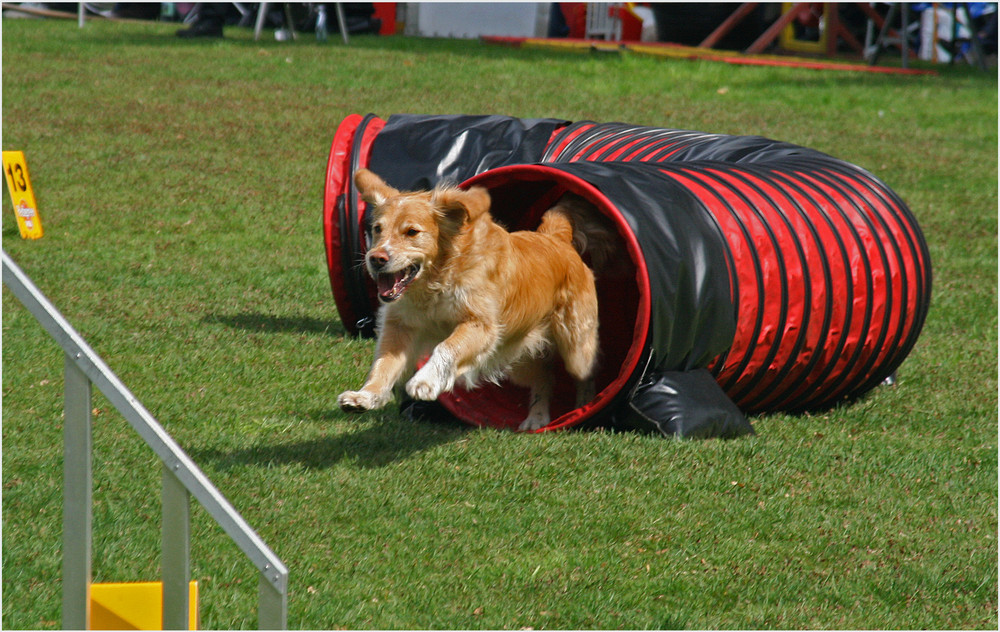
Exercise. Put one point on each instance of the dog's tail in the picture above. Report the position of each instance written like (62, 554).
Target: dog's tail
(577, 221)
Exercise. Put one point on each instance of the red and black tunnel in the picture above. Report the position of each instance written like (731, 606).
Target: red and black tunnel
(790, 279)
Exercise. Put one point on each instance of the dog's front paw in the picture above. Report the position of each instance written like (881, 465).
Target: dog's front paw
(428, 385)
(358, 401)
(434, 378)
(536, 419)
(424, 388)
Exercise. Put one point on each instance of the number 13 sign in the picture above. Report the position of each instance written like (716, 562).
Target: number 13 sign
(19, 185)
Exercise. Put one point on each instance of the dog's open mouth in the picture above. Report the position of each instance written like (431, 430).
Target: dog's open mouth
(391, 285)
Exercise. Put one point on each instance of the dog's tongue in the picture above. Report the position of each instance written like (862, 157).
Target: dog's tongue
(390, 285)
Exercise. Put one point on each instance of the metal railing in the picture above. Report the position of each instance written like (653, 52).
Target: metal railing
(181, 480)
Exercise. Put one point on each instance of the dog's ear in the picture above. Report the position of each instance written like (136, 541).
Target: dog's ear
(461, 207)
(373, 189)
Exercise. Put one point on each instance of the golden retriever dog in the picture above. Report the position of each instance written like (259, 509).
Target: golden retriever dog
(483, 302)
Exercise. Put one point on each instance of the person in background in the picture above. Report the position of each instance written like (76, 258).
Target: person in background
(136, 10)
(210, 19)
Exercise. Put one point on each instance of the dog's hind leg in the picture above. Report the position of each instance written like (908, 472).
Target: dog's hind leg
(585, 392)
(536, 375)
(574, 329)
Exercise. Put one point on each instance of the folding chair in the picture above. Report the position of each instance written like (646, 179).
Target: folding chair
(320, 8)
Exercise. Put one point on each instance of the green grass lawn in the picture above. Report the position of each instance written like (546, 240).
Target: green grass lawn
(180, 185)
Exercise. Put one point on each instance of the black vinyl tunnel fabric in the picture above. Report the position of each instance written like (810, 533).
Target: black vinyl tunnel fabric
(759, 276)
(420, 152)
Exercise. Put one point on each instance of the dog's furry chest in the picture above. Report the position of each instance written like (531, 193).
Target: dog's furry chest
(434, 321)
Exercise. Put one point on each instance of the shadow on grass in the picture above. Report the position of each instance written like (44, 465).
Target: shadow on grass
(267, 323)
(383, 442)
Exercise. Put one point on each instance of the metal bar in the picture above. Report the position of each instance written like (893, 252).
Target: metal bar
(173, 457)
(869, 39)
(77, 497)
(259, 24)
(880, 41)
(176, 552)
(289, 24)
(272, 605)
(193, 13)
(904, 32)
(341, 22)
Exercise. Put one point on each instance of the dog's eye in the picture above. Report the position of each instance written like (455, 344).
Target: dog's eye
(376, 229)
(412, 232)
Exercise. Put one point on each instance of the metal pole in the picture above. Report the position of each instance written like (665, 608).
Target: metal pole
(176, 552)
(272, 604)
(259, 24)
(904, 31)
(341, 22)
(869, 38)
(77, 496)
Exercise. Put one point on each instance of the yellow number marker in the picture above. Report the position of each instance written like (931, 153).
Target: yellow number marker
(19, 184)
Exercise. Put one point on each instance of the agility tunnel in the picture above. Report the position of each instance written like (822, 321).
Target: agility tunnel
(755, 275)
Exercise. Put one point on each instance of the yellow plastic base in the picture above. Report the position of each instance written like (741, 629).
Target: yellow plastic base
(135, 606)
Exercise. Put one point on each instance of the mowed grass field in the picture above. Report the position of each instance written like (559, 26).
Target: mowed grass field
(180, 185)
